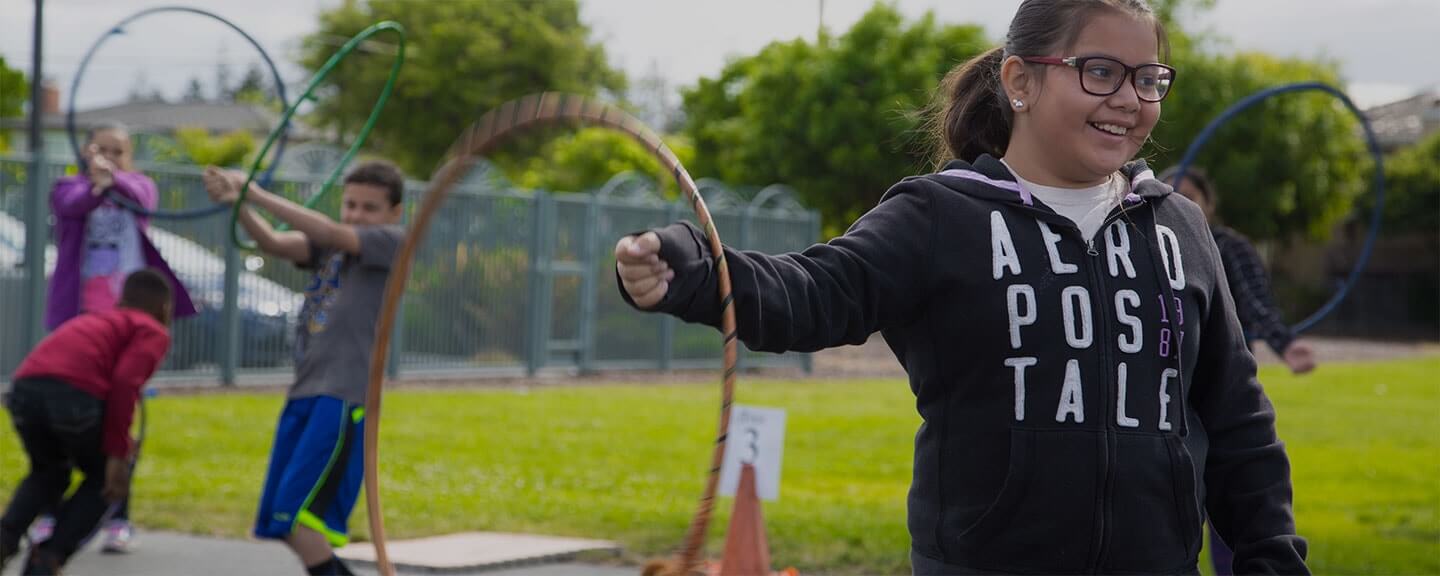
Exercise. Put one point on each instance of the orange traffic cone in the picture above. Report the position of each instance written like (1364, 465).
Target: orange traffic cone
(746, 551)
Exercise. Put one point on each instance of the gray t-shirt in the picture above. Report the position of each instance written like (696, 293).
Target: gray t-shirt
(337, 322)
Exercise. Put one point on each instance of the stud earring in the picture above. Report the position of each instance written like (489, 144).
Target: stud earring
(1018, 103)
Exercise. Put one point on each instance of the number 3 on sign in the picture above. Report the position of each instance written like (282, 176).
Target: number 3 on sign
(757, 437)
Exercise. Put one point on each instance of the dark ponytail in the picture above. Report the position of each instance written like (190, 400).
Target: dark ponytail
(971, 117)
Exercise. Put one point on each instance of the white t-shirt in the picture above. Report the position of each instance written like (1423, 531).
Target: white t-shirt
(1086, 207)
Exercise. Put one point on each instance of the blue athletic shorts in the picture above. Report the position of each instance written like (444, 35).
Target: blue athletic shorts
(316, 469)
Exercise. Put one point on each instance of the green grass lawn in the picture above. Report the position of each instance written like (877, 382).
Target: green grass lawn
(627, 463)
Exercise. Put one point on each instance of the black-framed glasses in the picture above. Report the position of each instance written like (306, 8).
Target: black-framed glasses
(1102, 76)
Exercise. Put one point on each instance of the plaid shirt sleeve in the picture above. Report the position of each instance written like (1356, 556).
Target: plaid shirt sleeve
(1250, 286)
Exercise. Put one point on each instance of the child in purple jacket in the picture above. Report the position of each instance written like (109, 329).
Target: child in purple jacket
(99, 241)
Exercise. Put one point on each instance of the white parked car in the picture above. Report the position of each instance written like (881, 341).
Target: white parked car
(267, 309)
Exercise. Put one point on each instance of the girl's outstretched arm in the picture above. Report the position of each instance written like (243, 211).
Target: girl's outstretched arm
(878, 274)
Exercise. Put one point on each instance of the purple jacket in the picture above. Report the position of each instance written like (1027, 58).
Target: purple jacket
(71, 202)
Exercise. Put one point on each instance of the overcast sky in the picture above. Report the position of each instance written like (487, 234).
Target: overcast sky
(1387, 48)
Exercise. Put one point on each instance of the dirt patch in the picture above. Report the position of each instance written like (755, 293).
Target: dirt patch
(870, 360)
(874, 359)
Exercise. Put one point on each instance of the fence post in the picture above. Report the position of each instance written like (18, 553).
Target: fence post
(36, 218)
(807, 360)
(230, 317)
(747, 217)
(537, 317)
(397, 332)
(397, 343)
(667, 322)
(590, 259)
(36, 237)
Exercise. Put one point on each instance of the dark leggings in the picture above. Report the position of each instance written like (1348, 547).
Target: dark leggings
(60, 428)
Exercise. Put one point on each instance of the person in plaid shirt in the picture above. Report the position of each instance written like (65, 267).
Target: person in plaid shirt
(1254, 304)
(1249, 282)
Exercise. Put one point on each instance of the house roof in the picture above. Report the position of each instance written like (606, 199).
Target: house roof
(1407, 121)
(166, 117)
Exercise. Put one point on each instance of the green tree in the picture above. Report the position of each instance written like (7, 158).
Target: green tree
(254, 87)
(1292, 165)
(835, 118)
(1171, 12)
(1412, 182)
(462, 59)
(14, 90)
(231, 149)
(586, 159)
(194, 91)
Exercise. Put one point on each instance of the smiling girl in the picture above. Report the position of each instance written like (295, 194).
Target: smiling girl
(1085, 388)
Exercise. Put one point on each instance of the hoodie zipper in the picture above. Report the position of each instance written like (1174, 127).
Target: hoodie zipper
(1102, 333)
(1097, 277)
(1097, 282)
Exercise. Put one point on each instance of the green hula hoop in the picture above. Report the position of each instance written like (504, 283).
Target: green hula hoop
(315, 81)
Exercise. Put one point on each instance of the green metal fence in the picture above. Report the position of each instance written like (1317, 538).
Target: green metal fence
(507, 282)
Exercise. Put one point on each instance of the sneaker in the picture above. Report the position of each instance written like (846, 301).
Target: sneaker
(41, 529)
(119, 537)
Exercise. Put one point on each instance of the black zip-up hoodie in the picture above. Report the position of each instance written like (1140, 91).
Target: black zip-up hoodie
(1051, 372)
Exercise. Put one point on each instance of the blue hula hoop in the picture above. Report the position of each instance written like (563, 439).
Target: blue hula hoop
(1379, 182)
(118, 29)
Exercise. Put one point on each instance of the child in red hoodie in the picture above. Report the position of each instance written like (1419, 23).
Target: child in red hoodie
(72, 403)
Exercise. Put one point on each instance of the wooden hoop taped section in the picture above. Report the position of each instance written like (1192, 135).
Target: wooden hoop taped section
(510, 119)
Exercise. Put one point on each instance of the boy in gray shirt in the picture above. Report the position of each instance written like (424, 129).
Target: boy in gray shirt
(316, 464)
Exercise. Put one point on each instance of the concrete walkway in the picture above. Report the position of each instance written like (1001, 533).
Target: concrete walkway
(171, 554)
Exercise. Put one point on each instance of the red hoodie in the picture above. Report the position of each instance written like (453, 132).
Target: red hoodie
(109, 355)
